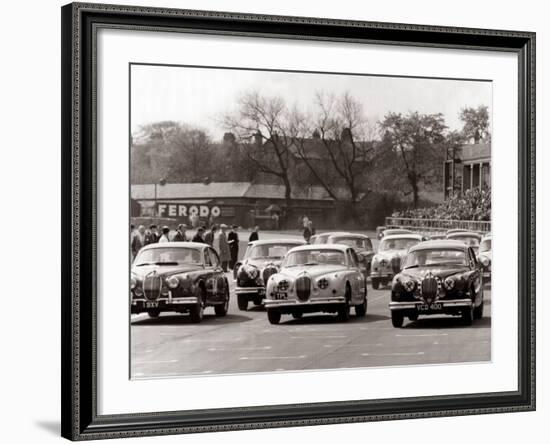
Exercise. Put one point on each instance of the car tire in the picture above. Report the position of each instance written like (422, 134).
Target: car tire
(375, 283)
(242, 302)
(221, 309)
(196, 313)
(344, 309)
(361, 310)
(478, 311)
(467, 316)
(397, 319)
(297, 315)
(274, 316)
(154, 313)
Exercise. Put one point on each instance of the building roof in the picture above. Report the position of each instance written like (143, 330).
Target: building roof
(475, 151)
(212, 190)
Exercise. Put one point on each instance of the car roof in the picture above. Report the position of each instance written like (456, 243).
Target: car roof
(348, 234)
(307, 247)
(463, 233)
(400, 230)
(196, 245)
(403, 236)
(276, 242)
(439, 243)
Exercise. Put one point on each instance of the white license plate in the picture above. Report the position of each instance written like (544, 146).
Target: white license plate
(151, 304)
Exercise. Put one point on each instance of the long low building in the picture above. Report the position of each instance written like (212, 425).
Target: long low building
(242, 203)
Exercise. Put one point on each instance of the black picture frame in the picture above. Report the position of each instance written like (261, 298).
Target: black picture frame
(79, 170)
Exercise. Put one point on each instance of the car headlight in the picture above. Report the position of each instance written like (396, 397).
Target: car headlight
(449, 283)
(283, 285)
(133, 283)
(172, 282)
(484, 261)
(323, 283)
(409, 285)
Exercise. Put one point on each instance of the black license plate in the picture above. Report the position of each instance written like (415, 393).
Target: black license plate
(427, 307)
(151, 304)
(281, 296)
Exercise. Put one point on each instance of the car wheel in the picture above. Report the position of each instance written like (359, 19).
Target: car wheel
(478, 311)
(375, 283)
(297, 315)
(154, 313)
(467, 316)
(273, 316)
(344, 309)
(397, 319)
(221, 310)
(197, 313)
(361, 310)
(242, 302)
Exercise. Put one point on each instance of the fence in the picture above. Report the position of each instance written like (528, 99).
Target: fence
(437, 225)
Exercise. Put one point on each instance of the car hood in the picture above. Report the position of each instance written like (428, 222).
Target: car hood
(441, 272)
(163, 270)
(313, 270)
(261, 263)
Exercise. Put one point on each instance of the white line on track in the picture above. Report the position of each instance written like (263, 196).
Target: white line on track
(393, 354)
(353, 345)
(213, 349)
(319, 337)
(171, 361)
(258, 358)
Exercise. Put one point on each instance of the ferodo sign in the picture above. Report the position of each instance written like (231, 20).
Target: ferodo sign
(186, 210)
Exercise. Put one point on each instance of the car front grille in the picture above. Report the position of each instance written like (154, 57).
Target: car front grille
(152, 287)
(429, 288)
(267, 273)
(303, 288)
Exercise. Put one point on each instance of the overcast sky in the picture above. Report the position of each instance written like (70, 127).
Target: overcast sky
(198, 96)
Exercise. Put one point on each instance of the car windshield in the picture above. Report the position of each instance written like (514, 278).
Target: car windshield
(472, 241)
(485, 245)
(320, 239)
(360, 243)
(168, 255)
(314, 257)
(426, 258)
(397, 244)
(271, 251)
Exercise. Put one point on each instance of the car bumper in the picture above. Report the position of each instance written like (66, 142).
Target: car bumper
(166, 304)
(445, 304)
(250, 290)
(382, 274)
(277, 303)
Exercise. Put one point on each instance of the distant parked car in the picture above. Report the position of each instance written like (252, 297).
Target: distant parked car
(470, 238)
(392, 231)
(485, 254)
(438, 277)
(317, 278)
(183, 277)
(261, 259)
(386, 263)
(362, 245)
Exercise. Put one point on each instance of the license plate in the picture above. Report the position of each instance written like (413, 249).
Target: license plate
(436, 306)
(281, 296)
(151, 304)
(426, 307)
(422, 307)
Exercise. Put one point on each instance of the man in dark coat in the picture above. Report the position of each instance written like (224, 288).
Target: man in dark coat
(199, 236)
(233, 241)
(254, 236)
(210, 236)
(152, 236)
(181, 235)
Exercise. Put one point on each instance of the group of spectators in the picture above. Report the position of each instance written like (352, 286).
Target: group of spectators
(223, 238)
(473, 204)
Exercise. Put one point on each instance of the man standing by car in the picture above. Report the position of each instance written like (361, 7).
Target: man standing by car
(138, 240)
(233, 241)
(210, 236)
(181, 235)
(254, 236)
(225, 255)
(198, 237)
(152, 236)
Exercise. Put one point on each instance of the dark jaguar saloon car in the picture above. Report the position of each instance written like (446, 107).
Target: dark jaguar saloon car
(182, 277)
(261, 259)
(438, 277)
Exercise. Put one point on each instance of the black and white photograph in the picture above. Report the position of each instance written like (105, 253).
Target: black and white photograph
(298, 221)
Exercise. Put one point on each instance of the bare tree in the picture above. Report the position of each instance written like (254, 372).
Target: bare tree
(261, 125)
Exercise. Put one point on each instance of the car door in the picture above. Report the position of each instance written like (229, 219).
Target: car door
(217, 277)
(356, 277)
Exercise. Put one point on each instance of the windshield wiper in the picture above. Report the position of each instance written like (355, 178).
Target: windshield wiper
(311, 263)
(156, 263)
